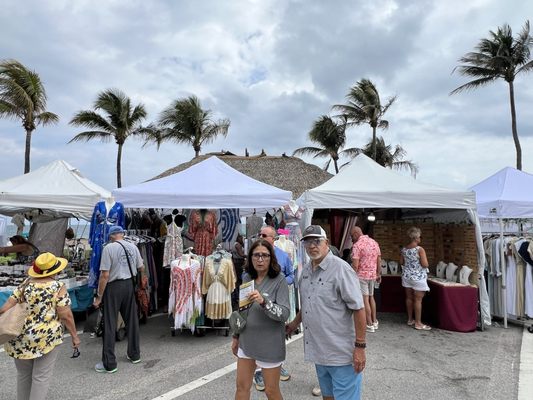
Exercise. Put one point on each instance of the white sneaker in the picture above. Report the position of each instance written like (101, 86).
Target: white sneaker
(376, 325)
(370, 328)
(316, 391)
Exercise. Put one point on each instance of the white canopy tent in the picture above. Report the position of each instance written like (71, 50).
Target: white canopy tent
(505, 195)
(56, 190)
(365, 184)
(209, 184)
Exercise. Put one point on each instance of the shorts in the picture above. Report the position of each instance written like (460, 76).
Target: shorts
(367, 286)
(260, 364)
(419, 286)
(342, 382)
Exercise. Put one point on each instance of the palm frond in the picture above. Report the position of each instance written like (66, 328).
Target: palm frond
(47, 118)
(473, 84)
(90, 135)
(352, 152)
(92, 119)
(306, 151)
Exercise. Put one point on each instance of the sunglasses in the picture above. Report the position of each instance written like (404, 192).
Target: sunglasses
(76, 353)
(312, 242)
(264, 235)
(258, 256)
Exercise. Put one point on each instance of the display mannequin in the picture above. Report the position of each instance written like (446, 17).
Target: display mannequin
(109, 203)
(441, 269)
(393, 266)
(464, 275)
(384, 269)
(450, 272)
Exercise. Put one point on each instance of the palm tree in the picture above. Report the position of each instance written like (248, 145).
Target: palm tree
(23, 97)
(364, 107)
(120, 121)
(499, 56)
(184, 121)
(330, 135)
(388, 157)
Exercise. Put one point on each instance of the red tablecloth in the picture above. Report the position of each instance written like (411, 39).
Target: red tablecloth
(453, 308)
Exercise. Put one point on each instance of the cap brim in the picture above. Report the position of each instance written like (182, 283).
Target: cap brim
(62, 266)
(314, 235)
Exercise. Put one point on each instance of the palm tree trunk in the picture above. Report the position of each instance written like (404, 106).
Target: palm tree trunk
(27, 152)
(515, 132)
(336, 166)
(374, 143)
(119, 171)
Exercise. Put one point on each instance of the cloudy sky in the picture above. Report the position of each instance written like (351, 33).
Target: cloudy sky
(272, 67)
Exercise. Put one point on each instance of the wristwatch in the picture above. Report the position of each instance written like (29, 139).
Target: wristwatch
(361, 345)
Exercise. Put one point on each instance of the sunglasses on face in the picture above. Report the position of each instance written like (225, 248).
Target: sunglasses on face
(258, 256)
(264, 235)
(312, 242)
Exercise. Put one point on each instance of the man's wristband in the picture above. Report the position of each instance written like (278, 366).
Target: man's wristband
(361, 345)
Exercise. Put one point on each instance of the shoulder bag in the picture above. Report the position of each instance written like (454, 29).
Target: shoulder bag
(141, 297)
(12, 321)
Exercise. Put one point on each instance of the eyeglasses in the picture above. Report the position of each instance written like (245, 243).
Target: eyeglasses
(258, 256)
(312, 242)
(76, 353)
(264, 235)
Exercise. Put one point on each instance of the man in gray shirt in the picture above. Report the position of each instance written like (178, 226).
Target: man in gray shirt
(116, 290)
(333, 316)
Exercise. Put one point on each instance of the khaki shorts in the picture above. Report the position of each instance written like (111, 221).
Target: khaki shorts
(367, 286)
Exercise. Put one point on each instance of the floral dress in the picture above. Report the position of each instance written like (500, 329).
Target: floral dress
(42, 330)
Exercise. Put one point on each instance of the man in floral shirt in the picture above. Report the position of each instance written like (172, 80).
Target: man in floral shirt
(366, 261)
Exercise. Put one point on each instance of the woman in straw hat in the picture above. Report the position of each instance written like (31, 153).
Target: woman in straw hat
(34, 350)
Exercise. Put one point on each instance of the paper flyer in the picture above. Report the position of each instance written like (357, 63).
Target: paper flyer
(244, 290)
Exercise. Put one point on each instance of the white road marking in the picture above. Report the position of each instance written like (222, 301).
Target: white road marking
(525, 383)
(66, 335)
(204, 380)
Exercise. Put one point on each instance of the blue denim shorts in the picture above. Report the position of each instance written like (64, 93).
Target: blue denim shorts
(342, 382)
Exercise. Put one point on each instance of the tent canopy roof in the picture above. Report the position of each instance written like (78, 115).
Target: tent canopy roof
(58, 189)
(208, 184)
(365, 184)
(508, 193)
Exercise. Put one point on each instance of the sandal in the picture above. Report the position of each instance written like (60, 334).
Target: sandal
(411, 323)
(423, 328)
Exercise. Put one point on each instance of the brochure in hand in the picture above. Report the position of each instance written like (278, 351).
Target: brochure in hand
(244, 290)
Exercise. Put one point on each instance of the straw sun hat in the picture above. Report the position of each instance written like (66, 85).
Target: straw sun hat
(47, 265)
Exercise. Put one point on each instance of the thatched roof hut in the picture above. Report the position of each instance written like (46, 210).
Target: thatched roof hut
(284, 172)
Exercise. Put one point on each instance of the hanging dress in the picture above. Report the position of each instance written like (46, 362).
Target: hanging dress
(173, 244)
(203, 229)
(218, 283)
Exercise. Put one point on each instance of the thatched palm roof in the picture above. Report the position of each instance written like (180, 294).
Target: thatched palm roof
(284, 172)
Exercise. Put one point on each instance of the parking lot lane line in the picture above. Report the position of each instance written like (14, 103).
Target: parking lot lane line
(204, 380)
(525, 383)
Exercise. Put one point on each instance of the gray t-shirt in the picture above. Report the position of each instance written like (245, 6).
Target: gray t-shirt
(263, 338)
(329, 295)
(114, 260)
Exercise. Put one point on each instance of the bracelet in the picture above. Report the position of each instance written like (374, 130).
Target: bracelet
(361, 345)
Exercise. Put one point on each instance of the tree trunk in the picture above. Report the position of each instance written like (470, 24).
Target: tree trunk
(515, 131)
(374, 143)
(119, 171)
(336, 167)
(27, 152)
(197, 151)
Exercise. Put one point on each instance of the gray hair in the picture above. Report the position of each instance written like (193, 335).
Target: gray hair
(414, 233)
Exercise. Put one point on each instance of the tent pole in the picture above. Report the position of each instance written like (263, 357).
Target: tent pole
(502, 265)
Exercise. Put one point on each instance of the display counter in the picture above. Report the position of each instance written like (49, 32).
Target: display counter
(449, 306)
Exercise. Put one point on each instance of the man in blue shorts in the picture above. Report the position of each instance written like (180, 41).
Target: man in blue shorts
(333, 316)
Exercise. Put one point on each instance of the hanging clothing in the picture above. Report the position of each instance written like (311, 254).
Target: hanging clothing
(203, 229)
(173, 244)
(102, 219)
(229, 224)
(218, 283)
(254, 224)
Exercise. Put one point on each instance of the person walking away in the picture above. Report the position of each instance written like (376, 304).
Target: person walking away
(414, 278)
(269, 234)
(116, 291)
(35, 349)
(366, 262)
(333, 317)
(262, 342)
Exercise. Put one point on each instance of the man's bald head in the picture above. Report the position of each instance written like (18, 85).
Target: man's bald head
(356, 233)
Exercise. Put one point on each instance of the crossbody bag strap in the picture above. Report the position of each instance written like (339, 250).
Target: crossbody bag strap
(129, 264)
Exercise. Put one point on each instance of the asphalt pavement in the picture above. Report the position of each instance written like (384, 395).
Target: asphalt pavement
(402, 363)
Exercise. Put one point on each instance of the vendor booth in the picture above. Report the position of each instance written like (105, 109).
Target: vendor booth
(449, 224)
(507, 198)
(47, 197)
(192, 221)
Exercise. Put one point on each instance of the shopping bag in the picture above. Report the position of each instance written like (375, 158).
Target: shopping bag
(12, 322)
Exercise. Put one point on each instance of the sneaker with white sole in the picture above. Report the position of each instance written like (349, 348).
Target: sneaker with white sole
(134, 361)
(370, 328)
(284, 374)
(258, 381)
(376, 325)
(101, 369)
(316, 391)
